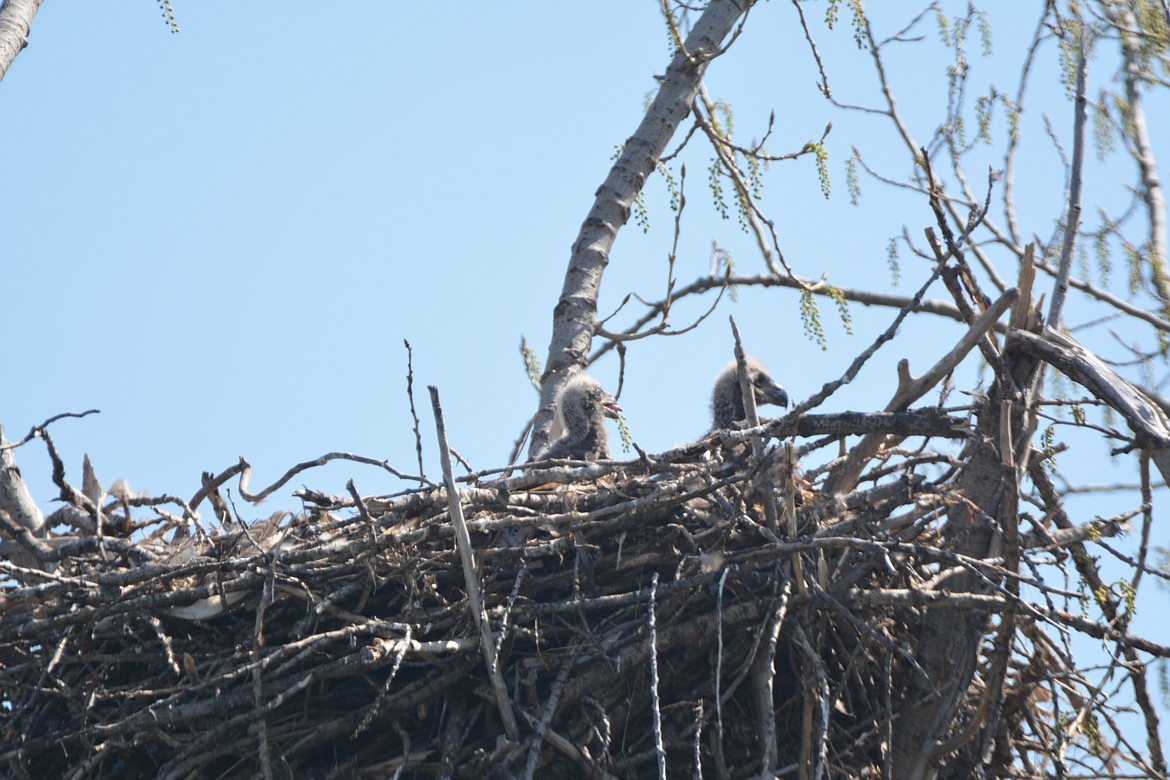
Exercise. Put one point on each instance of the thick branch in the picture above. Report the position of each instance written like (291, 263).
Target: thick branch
(1143, 416)
(15, 500)
(575, 315)
(910, 390)
(15, 20)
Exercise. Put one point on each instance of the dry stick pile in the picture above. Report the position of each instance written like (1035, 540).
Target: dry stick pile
(643, 613)
(709, 611)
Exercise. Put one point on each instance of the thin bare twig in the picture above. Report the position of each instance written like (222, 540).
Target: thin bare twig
(1072, 215)
(413, 414)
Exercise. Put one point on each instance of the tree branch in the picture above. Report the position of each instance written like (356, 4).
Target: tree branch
(15, 20)
(575, 314)
(1072, 217)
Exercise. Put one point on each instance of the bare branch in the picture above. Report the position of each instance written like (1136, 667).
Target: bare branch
(1072, 216)
(413, 414)
(15, 20)
(576, 312)
(471, 575)
(844, 477)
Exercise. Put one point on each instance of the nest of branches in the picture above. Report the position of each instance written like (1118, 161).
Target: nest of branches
(713, 611)
(708, 611)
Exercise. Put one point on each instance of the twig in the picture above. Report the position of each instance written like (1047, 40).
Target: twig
(753, 420)
(403, 735)
(414, 415)
(822, 699)
(1072, 218)
(697, 745)
(720, 768)
(257, 686)
(364, 514)
(763, 679)
(36, 430)
(244, 469)
(773, 256)
(546, 716)
(471, 578)
(404, 645)
(655, 705)
(69, 493)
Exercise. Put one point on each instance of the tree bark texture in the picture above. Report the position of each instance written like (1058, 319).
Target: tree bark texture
(15, 500)
(1143, 154)
(15, 20)
(1145, 419)
(575, 315)
(949, 641)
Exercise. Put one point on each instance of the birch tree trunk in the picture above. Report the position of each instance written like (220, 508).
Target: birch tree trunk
(15, 20)
(15, 500)
(575, 315)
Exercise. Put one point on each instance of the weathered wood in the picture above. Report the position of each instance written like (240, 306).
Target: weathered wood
(15, 500)
(949, 644)
(844, 477)
(575, 315)
(1146, 420)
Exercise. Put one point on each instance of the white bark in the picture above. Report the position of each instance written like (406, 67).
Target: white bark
(575, 315)
(1143, 155)
(15, 500)
(15, 20)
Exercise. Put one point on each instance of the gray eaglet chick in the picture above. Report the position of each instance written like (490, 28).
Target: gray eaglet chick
(582, 405)
(727, 400)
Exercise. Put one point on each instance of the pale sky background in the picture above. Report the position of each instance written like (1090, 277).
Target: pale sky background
(220, 238)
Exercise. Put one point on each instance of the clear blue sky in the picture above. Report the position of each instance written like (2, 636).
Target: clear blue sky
(221, 238)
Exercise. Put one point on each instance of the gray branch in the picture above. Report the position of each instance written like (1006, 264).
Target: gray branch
(1143, 154)
(1144, 417)
(575, 315)
(1072, 216)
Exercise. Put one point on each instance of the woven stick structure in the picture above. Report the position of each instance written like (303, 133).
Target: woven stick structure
(646, 620)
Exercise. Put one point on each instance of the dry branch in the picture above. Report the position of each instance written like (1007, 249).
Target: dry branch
(343, 641)
(909, 390)
(1149, 424)
(470, 573)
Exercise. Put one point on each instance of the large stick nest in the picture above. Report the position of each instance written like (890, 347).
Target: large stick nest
(630, 604)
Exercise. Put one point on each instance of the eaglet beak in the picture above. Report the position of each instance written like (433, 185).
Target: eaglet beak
(611, 409)
(768, 392)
